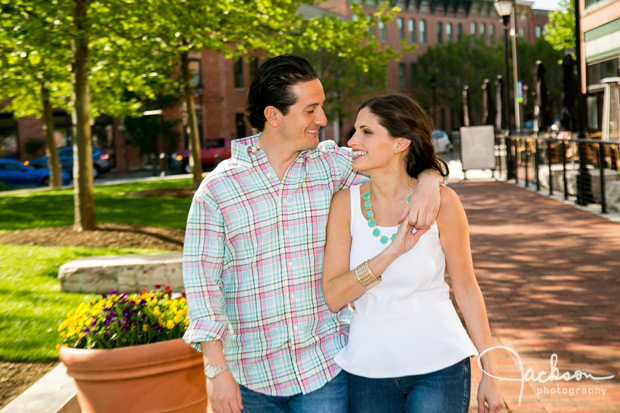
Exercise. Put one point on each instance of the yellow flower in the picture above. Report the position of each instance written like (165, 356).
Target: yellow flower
(144, 327)
(156, 311)
(170, 325)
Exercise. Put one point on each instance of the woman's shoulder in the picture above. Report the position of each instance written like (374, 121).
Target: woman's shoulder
(451, 206)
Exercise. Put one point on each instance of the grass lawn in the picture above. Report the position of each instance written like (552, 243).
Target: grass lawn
(31, 304)
(112, 205)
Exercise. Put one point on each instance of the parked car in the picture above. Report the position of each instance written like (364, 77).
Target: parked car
(14, 173)
(441, 141)
(101, 161)
(213, 151)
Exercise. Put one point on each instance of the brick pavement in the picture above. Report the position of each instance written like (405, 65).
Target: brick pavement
(550, 275)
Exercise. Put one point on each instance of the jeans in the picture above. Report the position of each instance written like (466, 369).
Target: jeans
(331, 398)
(442, 391)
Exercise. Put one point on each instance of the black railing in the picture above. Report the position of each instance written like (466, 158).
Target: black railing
(585, 169)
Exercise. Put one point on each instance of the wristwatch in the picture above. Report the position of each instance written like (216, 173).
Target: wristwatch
(212, 372)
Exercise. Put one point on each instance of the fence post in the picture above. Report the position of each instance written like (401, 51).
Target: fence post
(601, 162)
(564, 169)
(549, 165)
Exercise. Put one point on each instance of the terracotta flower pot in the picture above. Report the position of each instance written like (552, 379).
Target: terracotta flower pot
(158, 377)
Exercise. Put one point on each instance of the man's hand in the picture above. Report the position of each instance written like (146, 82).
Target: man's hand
(425, 202)
(224, 394)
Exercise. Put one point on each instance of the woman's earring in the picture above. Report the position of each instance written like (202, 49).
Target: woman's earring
(395, 151)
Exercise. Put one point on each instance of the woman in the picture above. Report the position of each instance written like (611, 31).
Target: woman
(407, 349)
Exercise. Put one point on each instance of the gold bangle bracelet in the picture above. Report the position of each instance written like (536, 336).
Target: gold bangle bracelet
(365, 276)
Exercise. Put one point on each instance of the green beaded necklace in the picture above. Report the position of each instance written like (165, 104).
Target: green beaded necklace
(372, 223)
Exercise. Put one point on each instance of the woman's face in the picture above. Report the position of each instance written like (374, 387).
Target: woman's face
(372, 145)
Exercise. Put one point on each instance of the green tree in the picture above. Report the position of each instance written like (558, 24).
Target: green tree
(347, 81)
(454, 65)
(457, 64)
(239, 27)
(34, 73)
(560, 31)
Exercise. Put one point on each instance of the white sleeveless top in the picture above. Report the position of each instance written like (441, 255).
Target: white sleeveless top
(407, 324)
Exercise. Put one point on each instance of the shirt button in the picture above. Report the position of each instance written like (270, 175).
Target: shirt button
(286, 232)
(292, 296)
(269, 174)
(284, 201)
(296, 328)
(290, 265)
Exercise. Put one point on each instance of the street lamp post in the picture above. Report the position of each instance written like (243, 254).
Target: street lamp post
(433, 85)
(584, 182)
(504, 10)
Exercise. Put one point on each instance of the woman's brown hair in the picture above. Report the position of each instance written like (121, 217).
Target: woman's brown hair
(403, 117)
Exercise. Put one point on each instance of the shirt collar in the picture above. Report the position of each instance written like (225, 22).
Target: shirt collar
(243, 148)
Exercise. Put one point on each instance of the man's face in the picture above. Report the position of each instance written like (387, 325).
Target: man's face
(300, 126)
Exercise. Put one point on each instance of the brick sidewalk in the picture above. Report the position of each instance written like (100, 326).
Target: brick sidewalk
(550, 275)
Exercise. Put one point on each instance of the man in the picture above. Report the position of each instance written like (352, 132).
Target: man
(254, 250)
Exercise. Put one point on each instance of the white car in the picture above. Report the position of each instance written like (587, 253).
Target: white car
(441, 141)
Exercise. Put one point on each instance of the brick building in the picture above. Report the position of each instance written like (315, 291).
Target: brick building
(222, 84)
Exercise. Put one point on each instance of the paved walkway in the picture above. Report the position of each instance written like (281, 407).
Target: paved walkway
(550, 274)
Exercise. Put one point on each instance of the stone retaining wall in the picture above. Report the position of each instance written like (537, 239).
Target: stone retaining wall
(124, 273)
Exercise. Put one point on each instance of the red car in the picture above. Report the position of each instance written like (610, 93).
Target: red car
(213, 151)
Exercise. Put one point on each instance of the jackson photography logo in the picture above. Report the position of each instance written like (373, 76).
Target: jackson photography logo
(544, 377)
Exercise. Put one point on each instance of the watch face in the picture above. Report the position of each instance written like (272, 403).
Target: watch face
(210, 372)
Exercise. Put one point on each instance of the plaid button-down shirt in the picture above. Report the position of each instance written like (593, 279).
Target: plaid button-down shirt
(252, 265)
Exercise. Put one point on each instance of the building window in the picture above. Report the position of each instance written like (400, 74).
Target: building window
(521, 31)
(371, 25)
(538, 31)
(414, 75)
(449, 32)
(403, 76)
(492, 33)
(422, 31)
(401, 28)
(253, 67)
(412, 30)
(381, 31)
(482, 32)
(472, 29)
(238, 74)
(459, 32)
(240, 125)
(439, 32)
(194, 72)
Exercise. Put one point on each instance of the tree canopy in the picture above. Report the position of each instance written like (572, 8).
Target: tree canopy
(560, 31)
(457, 64)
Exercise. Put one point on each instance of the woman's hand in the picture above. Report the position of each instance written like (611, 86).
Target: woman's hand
(405, 239)
(489, 395)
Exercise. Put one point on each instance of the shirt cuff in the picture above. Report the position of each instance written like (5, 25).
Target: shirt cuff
(204, 330)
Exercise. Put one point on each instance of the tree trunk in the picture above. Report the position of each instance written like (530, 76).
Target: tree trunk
(50, 144)
(194, 137)
(84, 203)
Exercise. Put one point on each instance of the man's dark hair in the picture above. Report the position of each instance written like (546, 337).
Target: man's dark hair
(272, 86)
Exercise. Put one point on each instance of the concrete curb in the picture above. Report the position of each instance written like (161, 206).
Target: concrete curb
(53, 393)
